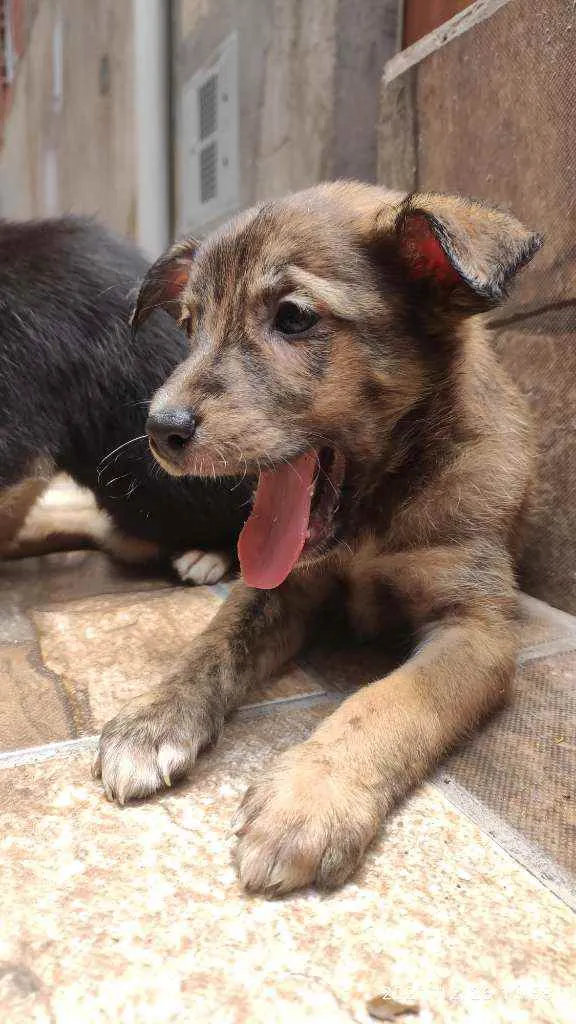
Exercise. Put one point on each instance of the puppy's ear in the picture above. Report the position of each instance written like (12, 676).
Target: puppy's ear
(467, 251)
(164, 283)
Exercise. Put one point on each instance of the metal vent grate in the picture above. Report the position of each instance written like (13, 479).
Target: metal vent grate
(209, 141)
(208, 107)
(208, 172)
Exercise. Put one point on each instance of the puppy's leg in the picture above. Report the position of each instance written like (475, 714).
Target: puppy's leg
(310, 818)
(16, 501)
(61, 520)
(66, 518)
(122, 546)
(195, 567)
(156, 738)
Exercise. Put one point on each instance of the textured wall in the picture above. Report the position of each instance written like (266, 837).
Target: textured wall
(308, 84)
(309, 78)
(80, 157)
(492, 114)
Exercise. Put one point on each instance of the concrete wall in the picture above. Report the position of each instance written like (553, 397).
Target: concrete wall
(308, 90)
(491, 113)
(75, 154)
(309, 77)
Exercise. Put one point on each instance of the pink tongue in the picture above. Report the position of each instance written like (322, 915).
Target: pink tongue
(272, 540)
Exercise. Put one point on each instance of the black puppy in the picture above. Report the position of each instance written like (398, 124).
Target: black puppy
(74, 389)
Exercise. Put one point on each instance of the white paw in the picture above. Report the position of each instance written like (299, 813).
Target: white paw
(154, 741)
(199, 567)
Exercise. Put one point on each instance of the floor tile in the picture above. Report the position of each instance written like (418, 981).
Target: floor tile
(346, 666)
(522, 765)
(93, 655)
(135, 915)
(108, 649)
(34, 706)
(541, 624)
(111, 649)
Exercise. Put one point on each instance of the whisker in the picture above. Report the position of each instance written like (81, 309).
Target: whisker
(141, 437)
(109, 289)
(243, 477)
(108, 483)
(220, 454)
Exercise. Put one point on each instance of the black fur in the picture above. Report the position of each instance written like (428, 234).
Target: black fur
(75, 382)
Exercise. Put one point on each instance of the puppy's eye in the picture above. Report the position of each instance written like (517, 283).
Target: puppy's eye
(293, 319)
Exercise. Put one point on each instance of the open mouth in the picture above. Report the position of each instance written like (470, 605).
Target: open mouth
(293, 515)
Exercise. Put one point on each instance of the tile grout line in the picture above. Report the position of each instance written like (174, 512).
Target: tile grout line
(525, 852)
(48, 751)
(547, 649)
(548, 611)
(302, 700)
(34, 755)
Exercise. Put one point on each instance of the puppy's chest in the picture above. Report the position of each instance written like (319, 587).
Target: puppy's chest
(372, 607)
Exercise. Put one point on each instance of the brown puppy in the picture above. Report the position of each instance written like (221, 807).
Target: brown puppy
(334, 351)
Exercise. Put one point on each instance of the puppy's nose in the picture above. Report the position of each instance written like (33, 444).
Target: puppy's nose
(171, 429)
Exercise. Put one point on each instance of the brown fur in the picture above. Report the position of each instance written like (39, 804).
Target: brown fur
(399, 375)
(16, 501)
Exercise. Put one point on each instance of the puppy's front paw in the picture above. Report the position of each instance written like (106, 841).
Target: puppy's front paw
(153, 742)
(202, 567)
(307, 821)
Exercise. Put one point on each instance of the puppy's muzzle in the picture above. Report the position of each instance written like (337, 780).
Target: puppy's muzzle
(170, 431)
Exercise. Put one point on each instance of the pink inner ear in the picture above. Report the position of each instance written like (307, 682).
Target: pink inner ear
(424, 253)
(179, 278)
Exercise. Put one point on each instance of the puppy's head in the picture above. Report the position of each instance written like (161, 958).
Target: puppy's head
(305, 317)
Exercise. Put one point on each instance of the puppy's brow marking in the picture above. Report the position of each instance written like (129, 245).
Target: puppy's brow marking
(341, 299)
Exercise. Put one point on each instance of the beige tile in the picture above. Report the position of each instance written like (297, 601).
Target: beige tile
(135, 915)
(110, 648)
(107, 650)
(541, 624)
(85, 658)
(522, 765)
(293, 681)
(67, 667)
(34, 707)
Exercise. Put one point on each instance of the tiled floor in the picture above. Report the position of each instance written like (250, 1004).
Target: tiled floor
(134, 915)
